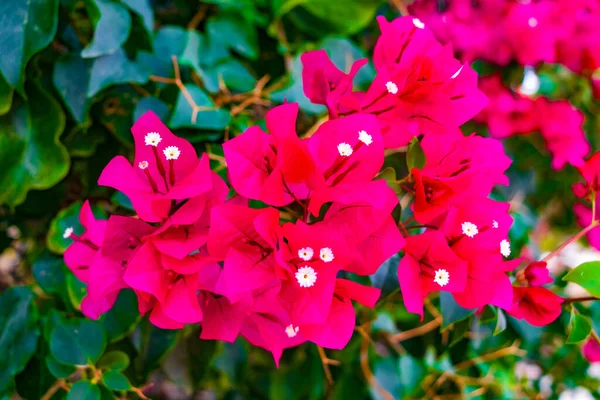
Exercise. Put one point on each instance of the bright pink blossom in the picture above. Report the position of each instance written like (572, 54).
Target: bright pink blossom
(537, 274)
(165, 169)
(591, 350)
(429, 265)
(82, 251)
(273, 168)
(561, 127)
(323, 82)
(507, 113)
(537, 305)
(420, 87)
(584, 219)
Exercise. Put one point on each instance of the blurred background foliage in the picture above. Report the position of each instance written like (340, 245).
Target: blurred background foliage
(75, 74)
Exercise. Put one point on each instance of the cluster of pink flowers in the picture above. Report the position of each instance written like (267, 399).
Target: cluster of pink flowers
(528, 32)
(561, 125)
(280, 274)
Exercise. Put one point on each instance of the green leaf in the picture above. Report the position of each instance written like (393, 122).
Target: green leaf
(76, 290)
(71, 78)
(412, 372)
(230, 31)
(84, 390)
(57, 369)
(104, 74)
(18, 334)
(112, 28)
(580, 328)
(122, 318)
(77, 342)
(50, 273)
(83, 143)
(459, 331)
(121, 200)
(388, 376)
(152, 344)
(500, 322)
(451, 311)
(216, 119)
(66, 218)
(27, 27)
(154, 104)
(320, 17)
(114, 360)
(587, 275)
(144, 10)
(235, 76)
(415, 157)
(6, 96)
(31, 155)
(115, 380)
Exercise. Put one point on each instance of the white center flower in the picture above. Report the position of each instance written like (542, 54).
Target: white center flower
(417, 22)
(532, 22)
(469, 229)
(505, 248)
(152, 139)
(442, 277)
(68, 232)
(171, 152)
(364, 137)
(306, 253)
(326, 254)
(291, 331)
(391, 87)
(495, 224)
(531, 82)
(143, 164)
(344, 149)
(306, 276)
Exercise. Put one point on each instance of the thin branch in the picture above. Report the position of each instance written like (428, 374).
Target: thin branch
(58, 384)
(580, 299)
(418, 331)
(326, 363)
(364, 365)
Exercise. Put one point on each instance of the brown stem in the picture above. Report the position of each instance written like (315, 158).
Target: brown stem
(418, 331)
(326, 363)
(580, 299)
(58, 384)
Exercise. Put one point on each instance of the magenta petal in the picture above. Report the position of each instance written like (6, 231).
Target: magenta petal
(161, 320)
(223, 320)
(336, 332)
(181, 304)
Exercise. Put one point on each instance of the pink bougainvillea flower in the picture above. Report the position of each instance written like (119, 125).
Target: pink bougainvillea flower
(591, 350)
(222, 319)
(537, 305)
(360, 213)
(245, 239)
(561, 127)
(347, 150)
(590, 171)
(459, 167)
(122, 237)
(157, 274)
(165, 168)
(532, 32)
(487, 282)
(336, 332)
(81, 253)
(507, 113)
(477, 222)
(311, 257)
(420, 87)
(429, 265)
(323, 82)
(268, 325)
(537, 274)
(273, 168)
